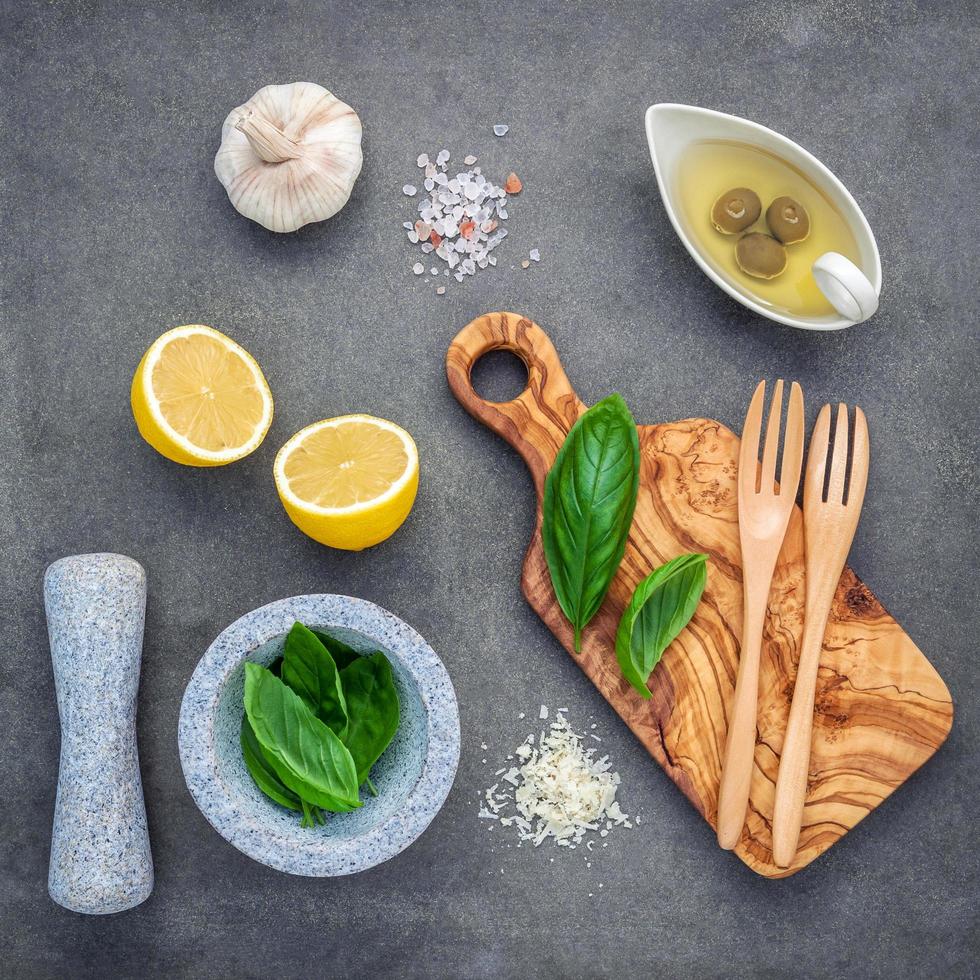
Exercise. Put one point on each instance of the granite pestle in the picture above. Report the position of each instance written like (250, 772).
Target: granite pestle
(100, 849)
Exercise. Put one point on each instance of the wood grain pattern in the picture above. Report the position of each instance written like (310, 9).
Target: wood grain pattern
(881, 709)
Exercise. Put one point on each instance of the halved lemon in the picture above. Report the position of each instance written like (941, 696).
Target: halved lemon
(199, 398)
(348, 482)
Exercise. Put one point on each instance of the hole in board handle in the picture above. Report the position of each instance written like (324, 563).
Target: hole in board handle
(500, 375)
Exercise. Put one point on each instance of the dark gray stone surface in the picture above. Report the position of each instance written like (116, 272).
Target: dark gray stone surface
(115, 228)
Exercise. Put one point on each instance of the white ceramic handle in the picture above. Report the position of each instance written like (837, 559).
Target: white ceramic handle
(846, 287)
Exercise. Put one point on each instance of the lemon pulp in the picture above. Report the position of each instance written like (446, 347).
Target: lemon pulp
(199, 398)
(340, 466)
(207, 393)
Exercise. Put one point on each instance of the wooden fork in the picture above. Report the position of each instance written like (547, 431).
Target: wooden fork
(763, 514)
(828, 526)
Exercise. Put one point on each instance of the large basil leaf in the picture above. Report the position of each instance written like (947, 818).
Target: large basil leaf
(372, 701)
(262, 772)
(309, 669)
(342, 654)
(306, 755)
(589, 499)
(661, 607)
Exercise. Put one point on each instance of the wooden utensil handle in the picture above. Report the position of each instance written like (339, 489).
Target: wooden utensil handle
(736, 773)
(536, 422)
(794, 762)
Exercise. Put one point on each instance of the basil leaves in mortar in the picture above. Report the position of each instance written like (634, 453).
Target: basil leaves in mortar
(589, 498)
(661, 607)
(316, 722)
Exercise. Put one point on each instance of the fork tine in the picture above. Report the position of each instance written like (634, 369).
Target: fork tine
(859, 461)
(816, 461)
(748, 455)
(789, 472)
(838, 461)
(771, 448)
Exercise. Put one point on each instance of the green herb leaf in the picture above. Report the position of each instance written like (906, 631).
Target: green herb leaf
(305, 754)
(262, 772)
(661, 607)
(372, 702)
(309, 669)
(589, 499)
(342, 654)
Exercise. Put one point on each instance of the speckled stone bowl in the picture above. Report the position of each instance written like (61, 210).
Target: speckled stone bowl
(413, 777)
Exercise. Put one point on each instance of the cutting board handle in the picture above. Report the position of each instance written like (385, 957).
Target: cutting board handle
(536, 422)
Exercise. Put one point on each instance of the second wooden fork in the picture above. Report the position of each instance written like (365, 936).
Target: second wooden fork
(830, 518)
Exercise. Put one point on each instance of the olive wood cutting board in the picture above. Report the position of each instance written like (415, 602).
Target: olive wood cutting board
(881, 708)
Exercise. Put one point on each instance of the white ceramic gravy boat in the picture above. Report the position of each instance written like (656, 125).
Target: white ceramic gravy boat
(852, 291)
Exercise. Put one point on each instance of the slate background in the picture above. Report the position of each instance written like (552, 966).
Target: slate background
(115, 229)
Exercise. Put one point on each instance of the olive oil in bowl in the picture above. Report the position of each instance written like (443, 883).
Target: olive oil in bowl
(707, 169)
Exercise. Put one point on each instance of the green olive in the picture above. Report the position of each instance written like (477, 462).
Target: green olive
(760, 256)
(788, 220)
(735, 210)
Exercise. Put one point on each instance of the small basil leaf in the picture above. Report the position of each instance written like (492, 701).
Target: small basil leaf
(372, 700)
(305, 754)
(309, 669)
(589, 499)
(262, 772)
(342, 654)
(661, 607)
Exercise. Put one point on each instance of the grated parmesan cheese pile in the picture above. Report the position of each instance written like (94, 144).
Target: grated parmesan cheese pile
(559, 789)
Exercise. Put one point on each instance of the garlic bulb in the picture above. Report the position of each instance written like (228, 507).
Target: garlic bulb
(290, 155)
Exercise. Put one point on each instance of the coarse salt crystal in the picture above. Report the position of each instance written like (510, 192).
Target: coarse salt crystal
(410, 190)
(423, 159)
(418, 268)
(441, 290)
(535, 255)
(500, 129)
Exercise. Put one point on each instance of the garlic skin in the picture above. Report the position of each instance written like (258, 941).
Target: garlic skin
(290, 155)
